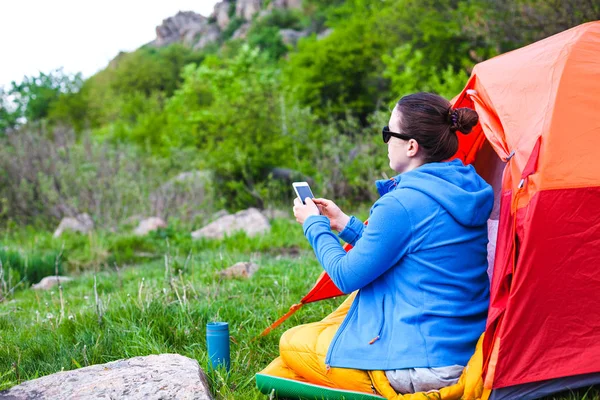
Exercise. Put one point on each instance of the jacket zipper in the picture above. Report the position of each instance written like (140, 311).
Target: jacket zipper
(376, 338)
(339, 332)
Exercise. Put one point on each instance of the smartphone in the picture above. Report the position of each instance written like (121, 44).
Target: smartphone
(302, 191)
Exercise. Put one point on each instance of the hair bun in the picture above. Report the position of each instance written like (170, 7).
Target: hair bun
(463, 120)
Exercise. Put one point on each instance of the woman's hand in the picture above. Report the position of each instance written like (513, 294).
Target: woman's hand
(337, 218)
(303, 211)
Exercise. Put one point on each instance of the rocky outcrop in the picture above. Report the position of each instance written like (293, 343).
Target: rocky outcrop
(240, 270)
(291, 36)
(246, 9)
(82, 223)
(241, 32)
(162, 376)
(221, 14)
(148, 225)
(289, 4)
(209, 34)
(184, 27)
(50, 281)
(251, 221)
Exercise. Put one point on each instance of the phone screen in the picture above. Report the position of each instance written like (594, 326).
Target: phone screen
(304, 192)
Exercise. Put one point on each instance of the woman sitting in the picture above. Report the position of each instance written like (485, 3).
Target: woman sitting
(419, 265)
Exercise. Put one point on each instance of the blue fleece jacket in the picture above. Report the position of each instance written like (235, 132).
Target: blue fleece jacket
(420, 265)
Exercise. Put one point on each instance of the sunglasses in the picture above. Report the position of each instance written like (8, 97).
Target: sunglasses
(387, 134)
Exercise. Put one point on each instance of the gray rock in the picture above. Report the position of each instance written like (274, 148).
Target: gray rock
(148, 225)
(291, 36)
(241, 32)
(162, 376)
(50, 281)
(240, 270)
(272, 213)
(209, 34)
(324, 34)
(183, 27)
(247, 8)
(221, 14)
(286, 4)
(82, 223)
(251, 221)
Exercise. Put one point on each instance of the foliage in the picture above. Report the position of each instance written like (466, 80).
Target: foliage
(233, 116)
(33, 98)
(45, 178)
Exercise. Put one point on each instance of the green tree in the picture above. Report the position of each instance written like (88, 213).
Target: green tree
(231, 111)
(33, 98)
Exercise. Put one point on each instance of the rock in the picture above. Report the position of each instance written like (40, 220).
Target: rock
(250, 221)
(221, 14)
(291, 36)
(241, 32)
(162, 376)
(82, 223)
(50, 281)
(241, 269)
(324, 34)
(187, 191)
(209, 34)
(246, 9)
(219, 214)
(148, 225)
(272, 213)
(184, 27)
(287, 4)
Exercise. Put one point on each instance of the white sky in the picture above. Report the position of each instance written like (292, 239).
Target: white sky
(79, 35)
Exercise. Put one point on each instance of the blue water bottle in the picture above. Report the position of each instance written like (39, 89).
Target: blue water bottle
(217, 344)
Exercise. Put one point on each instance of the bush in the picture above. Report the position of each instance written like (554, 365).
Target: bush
(45, 177)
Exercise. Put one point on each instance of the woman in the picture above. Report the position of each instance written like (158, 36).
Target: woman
(420, 264)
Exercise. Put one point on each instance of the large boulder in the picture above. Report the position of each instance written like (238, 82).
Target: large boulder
(162, 376)
(251, 221)
(82, 223)
(148, 225)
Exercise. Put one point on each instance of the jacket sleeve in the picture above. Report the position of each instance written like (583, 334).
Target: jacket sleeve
(383, 243)
(352, 231)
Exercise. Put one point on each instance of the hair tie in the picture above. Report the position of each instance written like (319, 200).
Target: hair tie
(453, 117)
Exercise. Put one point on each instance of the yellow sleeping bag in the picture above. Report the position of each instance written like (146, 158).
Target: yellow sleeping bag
(302, 358)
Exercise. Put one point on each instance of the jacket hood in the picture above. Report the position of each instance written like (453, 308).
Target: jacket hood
(455, 186)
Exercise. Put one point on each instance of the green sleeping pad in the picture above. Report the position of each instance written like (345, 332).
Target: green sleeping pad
(290, 389)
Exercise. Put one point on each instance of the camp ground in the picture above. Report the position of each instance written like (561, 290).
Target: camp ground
(537, 144)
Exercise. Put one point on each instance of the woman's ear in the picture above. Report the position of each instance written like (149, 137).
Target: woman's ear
(413, 148)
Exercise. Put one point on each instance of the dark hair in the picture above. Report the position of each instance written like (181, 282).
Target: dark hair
(432, 122)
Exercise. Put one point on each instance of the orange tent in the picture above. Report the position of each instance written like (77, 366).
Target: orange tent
(538, 109)
(538, 144)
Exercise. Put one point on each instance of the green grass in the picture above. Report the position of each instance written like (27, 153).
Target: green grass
(162, 305)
